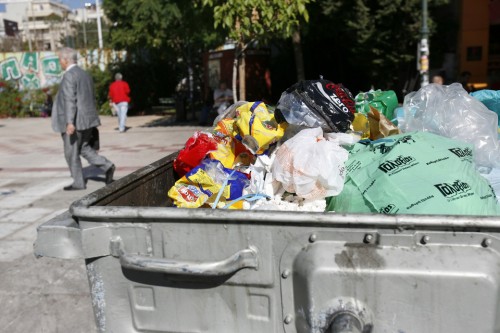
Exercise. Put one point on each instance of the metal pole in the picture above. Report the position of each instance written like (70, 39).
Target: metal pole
(84, 27)
(424, 47)
(99, 30)
(28, 33)
(28, 27)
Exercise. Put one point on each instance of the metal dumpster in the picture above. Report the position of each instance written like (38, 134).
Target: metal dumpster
(154, 268)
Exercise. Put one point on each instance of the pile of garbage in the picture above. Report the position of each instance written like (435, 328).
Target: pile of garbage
(321, 149)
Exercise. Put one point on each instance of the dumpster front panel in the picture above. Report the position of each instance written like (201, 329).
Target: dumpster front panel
(382, 282)
(303, 280)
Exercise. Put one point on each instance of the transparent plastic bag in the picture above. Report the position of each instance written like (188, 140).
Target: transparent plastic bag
(310, 165)
(451, 112)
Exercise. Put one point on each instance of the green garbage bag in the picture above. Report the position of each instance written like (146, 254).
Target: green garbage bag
(384, 101)
(414, 173)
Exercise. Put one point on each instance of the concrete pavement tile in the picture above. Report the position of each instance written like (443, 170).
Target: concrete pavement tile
(31, 194)
(9, 228)
(41, 313)
(5, 212)
(26, 233)
(10, 251)
(45, 296)
(27, 215)
(5, 181)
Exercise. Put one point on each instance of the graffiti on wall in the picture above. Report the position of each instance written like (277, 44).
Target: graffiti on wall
(35, 70)
(31, 70)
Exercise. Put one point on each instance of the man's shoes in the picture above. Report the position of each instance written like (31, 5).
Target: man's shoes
(109, 174)
(72, 188)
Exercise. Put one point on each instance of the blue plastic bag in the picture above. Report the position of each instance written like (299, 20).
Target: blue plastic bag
(490, 98)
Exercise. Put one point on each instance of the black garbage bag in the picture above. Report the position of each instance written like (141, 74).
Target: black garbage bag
(317, 103)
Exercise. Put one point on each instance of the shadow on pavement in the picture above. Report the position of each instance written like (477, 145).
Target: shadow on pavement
(170, 120)
(94, 173)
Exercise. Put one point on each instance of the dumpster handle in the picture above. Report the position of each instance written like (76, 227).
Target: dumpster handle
(247, 258)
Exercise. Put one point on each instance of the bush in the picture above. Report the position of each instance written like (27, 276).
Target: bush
(22, 103)
(11, 100)
(102, 80)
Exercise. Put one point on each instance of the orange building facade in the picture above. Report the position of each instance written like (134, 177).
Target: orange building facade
(479, 42)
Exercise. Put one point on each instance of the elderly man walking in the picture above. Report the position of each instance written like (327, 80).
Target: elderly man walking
(119, 96)
(74, 115)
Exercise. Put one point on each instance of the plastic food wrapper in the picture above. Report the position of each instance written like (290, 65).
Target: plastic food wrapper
(256, 127)
(361, 125)
(209, 185)
(414, 173)
(310, 165)
(230, 112)
(373, 125)
(317, 103)
(451, 112)
(380, 126)
(490, 98)
(230, 152)
(384, 101)
(195, 150)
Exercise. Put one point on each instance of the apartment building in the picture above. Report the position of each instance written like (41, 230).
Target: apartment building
(42, 24)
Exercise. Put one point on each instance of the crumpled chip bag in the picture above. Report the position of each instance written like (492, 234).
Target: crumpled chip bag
(317, 103)
(200, 187)
(256, 127)
(195, 150)
(230, 152)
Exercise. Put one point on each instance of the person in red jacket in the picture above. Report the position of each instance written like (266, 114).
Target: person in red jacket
(119, 92)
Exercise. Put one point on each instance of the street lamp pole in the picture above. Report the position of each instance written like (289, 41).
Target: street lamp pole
(84, 26)
(99, 29)
(424, 47)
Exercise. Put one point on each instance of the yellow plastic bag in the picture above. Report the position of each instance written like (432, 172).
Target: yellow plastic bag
(256, 127)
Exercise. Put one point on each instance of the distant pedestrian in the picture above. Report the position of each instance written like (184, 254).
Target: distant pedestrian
(438, 79)
(464, 80)
(74, 115)
(119, 92)
(223, 97)
(47, 104)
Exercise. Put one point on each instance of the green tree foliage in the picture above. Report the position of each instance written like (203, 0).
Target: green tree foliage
(158, 24)
(86, 35)
(381, 35)
(164, 39)
(247, 21)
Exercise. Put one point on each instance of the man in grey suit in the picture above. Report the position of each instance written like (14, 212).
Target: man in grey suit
(74, 114)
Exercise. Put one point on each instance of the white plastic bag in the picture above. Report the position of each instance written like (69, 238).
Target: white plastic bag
(451, 112)
(310, 165)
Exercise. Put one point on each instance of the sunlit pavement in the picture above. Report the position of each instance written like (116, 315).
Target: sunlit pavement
(46, 294)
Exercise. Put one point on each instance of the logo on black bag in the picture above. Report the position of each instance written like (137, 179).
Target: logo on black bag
(402, 162)
(467, 152)
(389, 209)
(454, 189)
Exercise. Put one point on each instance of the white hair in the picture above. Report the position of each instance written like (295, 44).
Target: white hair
(68, 54)
(118, 76)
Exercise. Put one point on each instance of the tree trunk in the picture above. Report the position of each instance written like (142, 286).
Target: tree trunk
(243, 89)
(235, 76)
(297, 50)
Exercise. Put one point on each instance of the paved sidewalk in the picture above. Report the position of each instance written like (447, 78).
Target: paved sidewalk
(51, 295)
